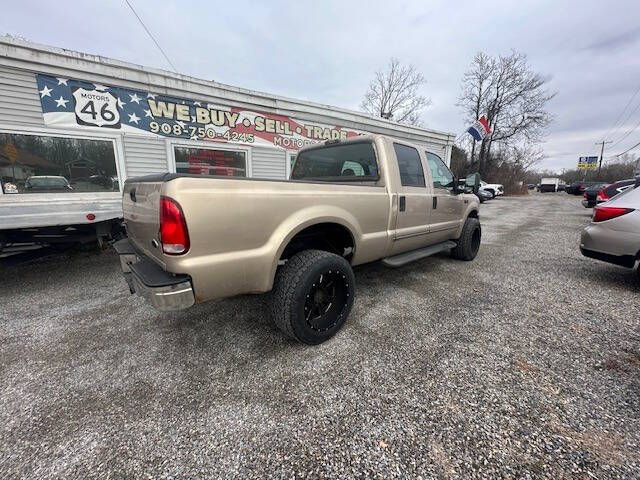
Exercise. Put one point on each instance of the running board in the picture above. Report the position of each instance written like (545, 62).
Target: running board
(408, 257)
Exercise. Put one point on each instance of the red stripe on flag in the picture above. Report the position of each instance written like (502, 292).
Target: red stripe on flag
(485, 124)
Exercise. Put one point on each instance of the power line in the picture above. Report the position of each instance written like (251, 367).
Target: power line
(611, 130)
(626, 134)
(151, 36)
(626, 151)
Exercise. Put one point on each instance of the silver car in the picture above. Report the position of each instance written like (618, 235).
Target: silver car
(614, 232)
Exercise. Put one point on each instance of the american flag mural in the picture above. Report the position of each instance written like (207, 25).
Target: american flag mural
(80, 104)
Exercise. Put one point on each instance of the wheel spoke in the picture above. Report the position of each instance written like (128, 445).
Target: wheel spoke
(325, 301)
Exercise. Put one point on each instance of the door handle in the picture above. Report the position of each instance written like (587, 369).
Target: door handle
(435, 202)
(403, 203)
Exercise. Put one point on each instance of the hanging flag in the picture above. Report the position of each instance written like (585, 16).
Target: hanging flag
(480, 128)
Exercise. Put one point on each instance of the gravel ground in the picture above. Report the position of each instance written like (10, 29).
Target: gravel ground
(524, 363)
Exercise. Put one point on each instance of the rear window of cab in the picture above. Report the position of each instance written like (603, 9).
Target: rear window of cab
(347, 162)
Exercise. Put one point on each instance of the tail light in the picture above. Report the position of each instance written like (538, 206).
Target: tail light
(174, 235)
(601, 214)
(585, 196)
(602, 195)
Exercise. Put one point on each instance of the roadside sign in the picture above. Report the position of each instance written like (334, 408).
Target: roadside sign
(10, 152)
(588, 163)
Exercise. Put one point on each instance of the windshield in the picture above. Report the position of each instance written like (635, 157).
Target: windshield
(337, 163)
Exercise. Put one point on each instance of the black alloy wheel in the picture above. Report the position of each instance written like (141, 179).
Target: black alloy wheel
(326, 301)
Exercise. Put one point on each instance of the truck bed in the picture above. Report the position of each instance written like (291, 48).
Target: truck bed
(238, 227)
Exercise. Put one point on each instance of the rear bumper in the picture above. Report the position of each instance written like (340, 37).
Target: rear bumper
(165, 291)
(596, 242)
(622, 260)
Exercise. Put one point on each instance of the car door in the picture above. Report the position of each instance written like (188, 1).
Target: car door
(413, 201)
(447, 206)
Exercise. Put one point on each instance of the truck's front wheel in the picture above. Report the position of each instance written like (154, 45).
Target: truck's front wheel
(468, 244)
(312, 296)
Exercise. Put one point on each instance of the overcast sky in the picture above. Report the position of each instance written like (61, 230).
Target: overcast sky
(326, 51)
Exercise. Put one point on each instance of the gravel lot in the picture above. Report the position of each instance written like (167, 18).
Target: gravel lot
(524, 363)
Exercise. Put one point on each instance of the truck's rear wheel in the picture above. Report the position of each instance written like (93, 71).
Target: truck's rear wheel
(312, 296)
(468, 244)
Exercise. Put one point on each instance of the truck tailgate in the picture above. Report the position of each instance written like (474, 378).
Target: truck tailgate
(141, 208)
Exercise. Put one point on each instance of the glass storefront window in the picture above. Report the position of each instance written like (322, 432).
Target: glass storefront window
(205, 161)
(47, 164)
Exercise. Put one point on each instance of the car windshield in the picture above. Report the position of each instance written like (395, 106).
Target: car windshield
(337, 163)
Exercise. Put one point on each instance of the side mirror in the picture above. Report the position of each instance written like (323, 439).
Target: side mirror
(458, 186)
(473, 182)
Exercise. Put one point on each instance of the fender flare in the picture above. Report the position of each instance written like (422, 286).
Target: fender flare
(350, 224)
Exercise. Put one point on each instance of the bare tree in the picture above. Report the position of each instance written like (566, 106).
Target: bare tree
(526, 155)
(394, 94)
(476, 82)
(511, 94)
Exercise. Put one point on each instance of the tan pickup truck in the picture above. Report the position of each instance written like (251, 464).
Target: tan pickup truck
(194, 238)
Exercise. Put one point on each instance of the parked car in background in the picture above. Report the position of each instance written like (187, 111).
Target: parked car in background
(531, 186)
(495, 189)
(549, 184)
(613, 235)
(483, 196)
(590, 195)
(47, 183)
(607, 192)
(578, 188)
(562, 186)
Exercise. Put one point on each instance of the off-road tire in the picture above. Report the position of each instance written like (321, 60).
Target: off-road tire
(468, 244)
(295, 281)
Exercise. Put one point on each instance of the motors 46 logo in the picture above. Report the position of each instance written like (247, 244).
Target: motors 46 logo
(95, 108)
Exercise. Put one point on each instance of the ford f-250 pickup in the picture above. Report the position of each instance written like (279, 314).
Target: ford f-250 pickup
(195, 238)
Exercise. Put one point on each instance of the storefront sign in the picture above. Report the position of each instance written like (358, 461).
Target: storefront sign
(79, 104)
(587, 163)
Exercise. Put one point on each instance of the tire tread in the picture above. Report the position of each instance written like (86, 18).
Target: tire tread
(288, 277)
(462, 251)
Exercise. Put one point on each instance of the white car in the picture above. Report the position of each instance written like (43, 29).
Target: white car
(494, 189)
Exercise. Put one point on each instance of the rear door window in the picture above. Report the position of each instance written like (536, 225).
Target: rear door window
(410, 166)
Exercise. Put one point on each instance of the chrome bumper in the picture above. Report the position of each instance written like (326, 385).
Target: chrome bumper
(165, 299)
(163, 290)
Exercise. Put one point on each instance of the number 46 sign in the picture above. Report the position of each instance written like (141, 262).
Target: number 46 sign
(96, 108)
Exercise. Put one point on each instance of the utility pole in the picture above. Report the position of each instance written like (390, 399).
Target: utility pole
(601, 154)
